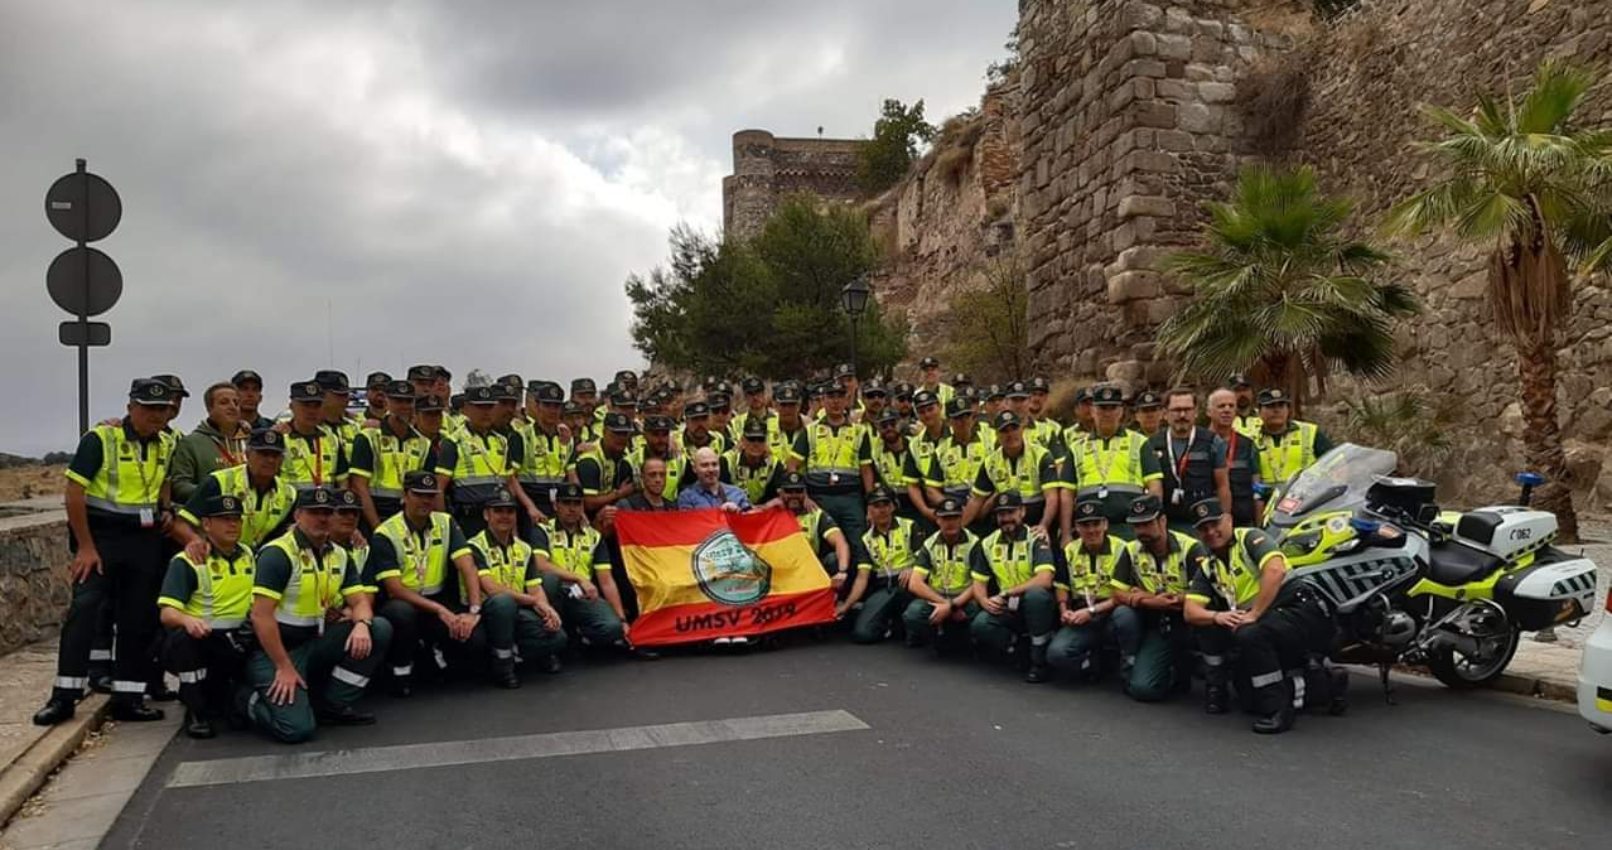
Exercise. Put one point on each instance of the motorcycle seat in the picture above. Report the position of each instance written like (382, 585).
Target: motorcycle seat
(1454, 564)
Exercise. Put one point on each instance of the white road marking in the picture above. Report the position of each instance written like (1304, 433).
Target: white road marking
(192, 774)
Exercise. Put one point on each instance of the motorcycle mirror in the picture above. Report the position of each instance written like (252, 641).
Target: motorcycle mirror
(1530, 479)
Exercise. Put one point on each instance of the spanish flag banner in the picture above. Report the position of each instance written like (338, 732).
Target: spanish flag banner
(708, 574)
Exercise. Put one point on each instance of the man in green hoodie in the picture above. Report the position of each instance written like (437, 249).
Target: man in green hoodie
(219, 442)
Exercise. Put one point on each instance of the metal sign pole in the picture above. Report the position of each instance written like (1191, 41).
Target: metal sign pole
(83, 317)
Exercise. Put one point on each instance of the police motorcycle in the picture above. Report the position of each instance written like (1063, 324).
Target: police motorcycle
(1413, 584)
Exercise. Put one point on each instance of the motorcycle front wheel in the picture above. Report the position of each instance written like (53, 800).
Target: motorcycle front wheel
(1460, 671)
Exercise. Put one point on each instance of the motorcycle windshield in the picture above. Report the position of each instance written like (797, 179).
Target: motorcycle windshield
(1338, 480)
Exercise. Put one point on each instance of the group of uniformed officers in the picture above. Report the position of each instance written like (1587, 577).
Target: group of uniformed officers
(276, 566)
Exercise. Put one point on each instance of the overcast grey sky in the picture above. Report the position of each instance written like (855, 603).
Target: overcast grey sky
(459, 182)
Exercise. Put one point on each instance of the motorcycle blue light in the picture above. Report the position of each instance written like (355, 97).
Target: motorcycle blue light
(1364, 526)
(1262, 490)
(1530, 479)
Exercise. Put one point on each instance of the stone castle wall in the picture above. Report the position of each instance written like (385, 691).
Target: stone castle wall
(767, 168)
(1128, 125)
(949, 220)
(1367, 76)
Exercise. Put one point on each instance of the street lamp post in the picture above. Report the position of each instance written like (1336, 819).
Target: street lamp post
(854, 298)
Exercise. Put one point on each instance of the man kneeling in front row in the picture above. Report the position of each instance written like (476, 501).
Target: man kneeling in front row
(319, 640)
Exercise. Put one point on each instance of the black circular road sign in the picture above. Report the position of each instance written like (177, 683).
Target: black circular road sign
(83, 207)
(84, 280)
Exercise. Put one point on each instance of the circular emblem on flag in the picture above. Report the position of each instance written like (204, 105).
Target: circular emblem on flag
(728, 572)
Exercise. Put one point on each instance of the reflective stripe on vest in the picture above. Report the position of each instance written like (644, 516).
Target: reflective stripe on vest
(1020, 475)
(1090, 573)
(831, 455)
(394, 456)
(1168, 577)
(948, 563)
(127, 482)
(890, 466)
(482, 463)
(314, 585)
(752, 480)
(1009, 559)
(223, 594)
(1239, 579)
(506, 565)
(959, 463)
(1280, 463)
(309, 465)
(1102, 465)
(424, 563)
(572, 552)
(260, 513)
(890, 553)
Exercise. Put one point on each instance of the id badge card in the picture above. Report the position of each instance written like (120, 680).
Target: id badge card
(1013, 603)
(148, 518)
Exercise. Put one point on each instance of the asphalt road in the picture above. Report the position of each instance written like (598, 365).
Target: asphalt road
(954, 755)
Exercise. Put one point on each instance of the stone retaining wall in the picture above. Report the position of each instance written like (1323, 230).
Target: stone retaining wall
(33, 582)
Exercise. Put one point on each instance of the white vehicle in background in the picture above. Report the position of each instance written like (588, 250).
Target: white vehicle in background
(1595, 675)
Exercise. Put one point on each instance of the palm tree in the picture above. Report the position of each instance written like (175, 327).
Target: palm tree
(1279, 287)
(1523, 178)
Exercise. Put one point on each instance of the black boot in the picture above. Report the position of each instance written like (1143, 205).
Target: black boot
(134, 710)
(58, 709)
(506, 679)
(549, 664)
(157, 690)
(1216, 700)
(345, 715)
(1278, 722)
(402, 687)
(101, 681)
(198, 726)
(1037, 672)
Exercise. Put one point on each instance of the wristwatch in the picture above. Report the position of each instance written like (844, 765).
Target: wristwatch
(475, 609)
(369, 621)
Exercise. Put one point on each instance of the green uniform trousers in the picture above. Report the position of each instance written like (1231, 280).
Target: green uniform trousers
(876, 614)
(1075, 649)
(1162, 657)
(593, 621)
(850, 515)
(952, 634)
(334, 678)
(1037, 616)
(519, 634)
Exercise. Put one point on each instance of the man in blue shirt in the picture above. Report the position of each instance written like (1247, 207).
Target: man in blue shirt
(708, 490)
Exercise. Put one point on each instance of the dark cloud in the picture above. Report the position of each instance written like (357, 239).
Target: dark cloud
(368, 184)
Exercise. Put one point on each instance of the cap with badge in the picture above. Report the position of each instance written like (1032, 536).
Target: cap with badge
(546, 392)
(150, 392)
(618, 423)
(1009, 500)
(265, 440)
(995, 392)
(903, 391)
(792, 482)
(247, 376)
(317, 498)
(332, 380)
(658, 424)
(1238, 381)
(571, 408)
(569, 491)
(887, 418)
(512, 380)
(696, 410)
(429, 404)
(786, 394)
(875, 388)
(1108, 395)
(752, 385)
(620, 397)
(377, 381)
(222, 505)
(961, 379)
(1007, 419)
(441, 372)
(1089, 508)
(949, 507)
(307, 391)
(844, 370)
(505, 392)
(1206, 511)
(583, 385)
(1149, 400)
(1083, 395)
(881, 494)
(1018, 389)
(1273, 396)
(174, 384)
(924, 398)
(422, 372)
(755, 428)
(422, 481)
(480, 395)
(929, 363)
(1039, 384)
(958, 408)
(347, 502)
(399, 391)
(501, 498)
(720, 402)
(1144, 509)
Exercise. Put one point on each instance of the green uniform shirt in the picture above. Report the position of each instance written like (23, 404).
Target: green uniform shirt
(1170, 573)
(759, 482)
(1011, 559)
(598, 473)
(422, 559)
(1088, 574)
(582, 552)
(218, 590)
(819, 528)
(319, 580)
(510, 566)
(1234, 577)
(948, 568)
(887, 553)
